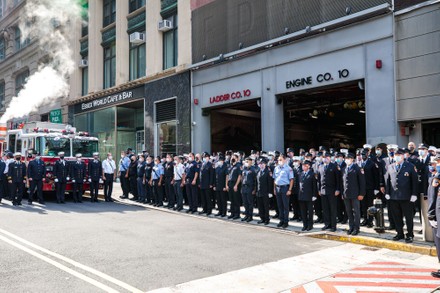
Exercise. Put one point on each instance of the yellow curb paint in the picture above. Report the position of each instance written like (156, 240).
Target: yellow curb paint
(379, 243)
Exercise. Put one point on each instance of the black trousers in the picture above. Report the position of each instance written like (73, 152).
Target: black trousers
(133, 186)
(263, 207)
(169, 191)
(60, 190)
(401, 209)
(222, 204)
(94, 187)
(235, 200)
(157, 193)
(193, 195)
(148, 191)
(108, 186)
(206, 200)
(329, 209)
(78, 191)
(248, 203)
(124, 183)
(317, 204)
(17, 191)
(294, 203)
(342, 215)
(36, 184)
(367, 202)
(306, 208)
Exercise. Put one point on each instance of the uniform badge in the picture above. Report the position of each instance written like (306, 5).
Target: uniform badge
(406, 174)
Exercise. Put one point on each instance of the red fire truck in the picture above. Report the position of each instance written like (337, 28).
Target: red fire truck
(48, 139)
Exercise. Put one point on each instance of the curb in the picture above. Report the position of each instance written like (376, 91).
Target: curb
(379, 243)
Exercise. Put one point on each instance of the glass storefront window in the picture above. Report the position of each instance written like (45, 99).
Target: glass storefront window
(167, 137)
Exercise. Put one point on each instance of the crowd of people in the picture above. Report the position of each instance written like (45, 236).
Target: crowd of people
(314, 186)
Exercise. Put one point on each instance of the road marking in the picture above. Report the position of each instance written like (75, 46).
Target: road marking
(74, 263)
(59, 265)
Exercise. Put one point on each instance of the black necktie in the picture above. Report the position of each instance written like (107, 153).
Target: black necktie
(398, 168)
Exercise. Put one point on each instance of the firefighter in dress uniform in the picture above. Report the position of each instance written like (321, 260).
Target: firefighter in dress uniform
(36, 172)
(95, 174)
(17, 179)
(78, 173)
(61, 176)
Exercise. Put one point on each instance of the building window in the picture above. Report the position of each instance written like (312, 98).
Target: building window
(110, 65)
(166, 126)
(135, 5)
(2, 49)
(2, 95)
(2, 8)
(137, 60)
(170, 44)
(109, 12)
(85, 81)
(19, 43)
(20, 80)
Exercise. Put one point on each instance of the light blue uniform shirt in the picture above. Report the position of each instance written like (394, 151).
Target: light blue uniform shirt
(157, 171)
(124, 163)
(283, 175)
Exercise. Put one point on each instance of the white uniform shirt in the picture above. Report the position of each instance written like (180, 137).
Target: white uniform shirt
(178, 171)
(108, 166)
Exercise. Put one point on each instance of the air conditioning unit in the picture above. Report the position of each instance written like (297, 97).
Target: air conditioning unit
(137, 38)
(165, 25)
(83, 63)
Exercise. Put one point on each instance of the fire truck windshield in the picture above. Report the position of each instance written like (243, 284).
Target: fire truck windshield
(84, 147)
(53, 145)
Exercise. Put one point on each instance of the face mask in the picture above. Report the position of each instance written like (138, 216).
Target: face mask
(162, 161)
(227, 158)
(318, 159)
(296, 165)
(190, 159)
(422, 153)
(220, 163)
(110, 158)
(406, 156)
(206, 160)
(175, 162)
(348, 162)
(168, 160)
(122, 156)
(78, 159)
(281, 163)
(431, 169)
(391, 154)
(37, 158)
(141, 160)
(399, 159)
(246, 165)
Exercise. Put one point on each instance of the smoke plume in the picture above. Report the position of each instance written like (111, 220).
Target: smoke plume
(49, 22)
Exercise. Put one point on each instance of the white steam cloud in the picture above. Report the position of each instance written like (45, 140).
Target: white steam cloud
(50, 22)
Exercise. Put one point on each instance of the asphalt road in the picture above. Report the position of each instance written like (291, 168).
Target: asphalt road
(99, 247)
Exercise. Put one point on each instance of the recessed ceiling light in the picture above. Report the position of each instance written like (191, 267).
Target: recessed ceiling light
(349, 124)
(362, 111)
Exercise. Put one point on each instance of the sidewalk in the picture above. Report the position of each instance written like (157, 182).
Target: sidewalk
(367, 236)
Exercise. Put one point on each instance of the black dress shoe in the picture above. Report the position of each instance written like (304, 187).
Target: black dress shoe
(223, 215)
(309, 228)
(363, 223)
(249, 219)
(435, 274)
(332, 229)
(355, 232)
(344, 222)
(349, 231)
(244, 219)
(202, 212)
(318, 220)
(398, 237)
(370, 225)
(276, 216)
(29, 202)
(280, 224)
(266, 223)
(208, 214)
(324, 228)
(285, 225)
(236, 218)
(41, 202)
(304, 229)
(260, 222)
(123, 197)
(409, 239)
(230, 216)
(390, 228)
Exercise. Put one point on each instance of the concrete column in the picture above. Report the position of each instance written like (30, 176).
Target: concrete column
(184, 33)
(272, 114)
(122, 43)
(200, 126)
(96, 53)
(154, 38)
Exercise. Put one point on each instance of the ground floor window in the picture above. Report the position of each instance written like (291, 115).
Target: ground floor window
(166, 127)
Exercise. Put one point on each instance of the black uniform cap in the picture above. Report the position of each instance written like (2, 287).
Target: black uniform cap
(423, 146)
(350, 156)
(307, 162)
(263, 161)
(401, 151)
(340, 155)
(206, 155)
(289, 150)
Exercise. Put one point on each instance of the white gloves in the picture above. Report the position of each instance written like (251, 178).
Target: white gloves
(101, 181)
(433, 224)
(376, 192)
(85, 180)
(270, 195)
(314, 198)
(68, 178)
(56, 180)
(387, 196)
(413, 198)
(73, 180)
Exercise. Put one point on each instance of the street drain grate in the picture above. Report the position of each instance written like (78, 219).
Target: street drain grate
(370, 248)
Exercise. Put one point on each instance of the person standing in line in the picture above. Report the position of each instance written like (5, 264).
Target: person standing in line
(17, 178)
(124, 164)
(284, 181)
(191, 178)
(232, 186)
(264, 187)
(248, 188)
(178, 182)
(308, 193)
(156, 182)
(61, 176)
(109, 175)
(95, 174)
(78, 173)
(132, 176)
(206, 184)
(36, 174)
(221, 172)
(148, 176)
(433, 213)
(141, 179)
(168, 178)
